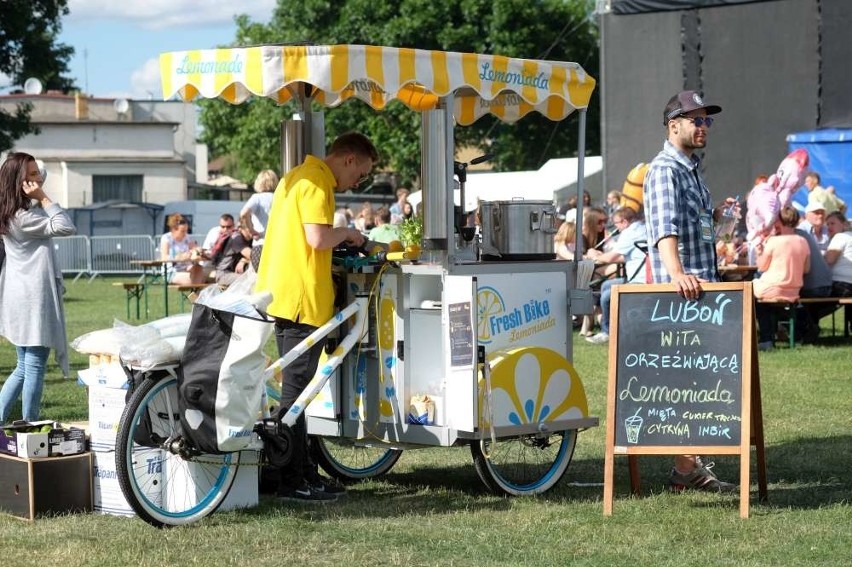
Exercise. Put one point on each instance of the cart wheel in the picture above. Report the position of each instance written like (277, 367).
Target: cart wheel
(525, 465)
(344, 460)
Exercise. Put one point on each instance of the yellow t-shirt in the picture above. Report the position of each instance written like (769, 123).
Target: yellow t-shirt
(298, 276)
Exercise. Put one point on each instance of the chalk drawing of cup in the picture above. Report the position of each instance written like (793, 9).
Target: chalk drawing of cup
(632, 426)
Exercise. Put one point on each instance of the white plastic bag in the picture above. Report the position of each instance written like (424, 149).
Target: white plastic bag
(142, 347)
(102, 341)
(238, 298)
(173, 326)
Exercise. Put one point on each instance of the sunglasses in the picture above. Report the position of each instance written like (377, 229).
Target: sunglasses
(699, 121)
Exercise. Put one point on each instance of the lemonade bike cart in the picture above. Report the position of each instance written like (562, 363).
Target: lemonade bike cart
(482, 348)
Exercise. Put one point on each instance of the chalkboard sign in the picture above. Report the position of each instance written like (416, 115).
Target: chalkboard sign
(683, 379)
(678, 369)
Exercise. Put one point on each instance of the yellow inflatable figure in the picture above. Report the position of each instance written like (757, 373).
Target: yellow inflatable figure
(631, 191)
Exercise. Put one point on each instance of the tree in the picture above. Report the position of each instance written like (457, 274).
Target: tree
(28, 48)
(539, 29)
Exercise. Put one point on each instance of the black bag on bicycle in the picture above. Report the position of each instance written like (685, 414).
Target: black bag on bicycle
(220, 380)
(152, 429)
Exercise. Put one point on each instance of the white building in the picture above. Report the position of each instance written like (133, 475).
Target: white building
(99, 150)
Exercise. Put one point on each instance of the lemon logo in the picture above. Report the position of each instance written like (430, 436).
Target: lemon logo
(531, 385)
(488, 303)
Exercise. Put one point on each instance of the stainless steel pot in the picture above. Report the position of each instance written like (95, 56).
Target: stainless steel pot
(518, 230)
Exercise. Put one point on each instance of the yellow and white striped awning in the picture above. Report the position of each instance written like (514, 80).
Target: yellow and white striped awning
(480, 84)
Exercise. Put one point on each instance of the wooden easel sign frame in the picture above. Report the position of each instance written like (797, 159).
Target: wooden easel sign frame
(683, 379)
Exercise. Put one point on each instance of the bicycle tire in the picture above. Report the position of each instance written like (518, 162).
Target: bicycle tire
(346, 461)
(156, 482)
(524, 465)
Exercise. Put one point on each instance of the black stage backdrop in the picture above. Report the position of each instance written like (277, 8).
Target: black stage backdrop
(775, 66)
(639, 6)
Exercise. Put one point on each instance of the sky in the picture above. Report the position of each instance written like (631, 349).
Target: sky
(117, 43)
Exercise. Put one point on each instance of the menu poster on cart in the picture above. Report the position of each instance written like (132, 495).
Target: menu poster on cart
(678, 370)
(461, 334)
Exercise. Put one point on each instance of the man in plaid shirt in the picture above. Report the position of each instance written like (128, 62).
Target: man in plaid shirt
(681, 240)
(678, 206)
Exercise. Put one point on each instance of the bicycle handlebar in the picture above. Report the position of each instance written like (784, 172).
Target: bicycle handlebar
(382, 257)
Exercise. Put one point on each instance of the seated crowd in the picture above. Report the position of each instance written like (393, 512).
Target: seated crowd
(806, 256)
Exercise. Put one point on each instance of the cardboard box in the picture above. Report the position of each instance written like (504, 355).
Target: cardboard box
(65, 442)
(107, 494)
(34, 487)
(104, 375)
(180, 480)
(105, 408)
(56, 442)
(245, 492)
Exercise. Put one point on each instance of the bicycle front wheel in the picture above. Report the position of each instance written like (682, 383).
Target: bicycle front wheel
(345, 460)
(163, 487)
(524, 465)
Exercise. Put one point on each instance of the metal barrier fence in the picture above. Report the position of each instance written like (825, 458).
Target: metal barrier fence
(73, 254)
(94, 255)
(113, 254)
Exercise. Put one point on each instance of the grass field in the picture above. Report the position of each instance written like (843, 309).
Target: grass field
(432, 509)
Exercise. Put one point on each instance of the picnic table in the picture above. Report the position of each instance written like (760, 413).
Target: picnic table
(154, 269)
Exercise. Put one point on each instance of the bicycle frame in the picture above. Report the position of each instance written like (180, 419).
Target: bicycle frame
(356, 334)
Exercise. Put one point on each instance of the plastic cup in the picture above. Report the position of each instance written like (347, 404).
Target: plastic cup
(632, 426)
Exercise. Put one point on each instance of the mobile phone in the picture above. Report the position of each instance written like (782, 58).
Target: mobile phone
(41, 170)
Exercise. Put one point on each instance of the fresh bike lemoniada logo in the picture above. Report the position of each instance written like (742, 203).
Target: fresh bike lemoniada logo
(496, 319)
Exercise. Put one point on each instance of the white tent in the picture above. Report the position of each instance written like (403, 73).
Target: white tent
(550, 183)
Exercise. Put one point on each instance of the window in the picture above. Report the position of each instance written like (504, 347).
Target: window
(116, 187)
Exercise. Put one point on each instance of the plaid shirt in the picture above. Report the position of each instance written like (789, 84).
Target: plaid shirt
(675, 195)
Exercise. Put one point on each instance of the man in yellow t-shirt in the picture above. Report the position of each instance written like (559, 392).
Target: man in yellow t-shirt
(296, 268)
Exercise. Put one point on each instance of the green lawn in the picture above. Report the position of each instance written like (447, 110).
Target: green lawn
(432, 509)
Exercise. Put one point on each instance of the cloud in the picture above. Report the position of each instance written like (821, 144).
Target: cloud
(145, 81)
(158, 14)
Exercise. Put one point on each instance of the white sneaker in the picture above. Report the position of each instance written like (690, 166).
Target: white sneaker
(599, 339)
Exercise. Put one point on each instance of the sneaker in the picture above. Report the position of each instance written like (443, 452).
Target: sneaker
(327, 486)
(599, 338)
(306, 494)
(701, 478)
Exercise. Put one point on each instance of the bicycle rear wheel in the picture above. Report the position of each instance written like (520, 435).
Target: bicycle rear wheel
(163, 487)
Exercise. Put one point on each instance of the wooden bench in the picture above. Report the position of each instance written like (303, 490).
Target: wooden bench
(134, 290)
(188, 292)
(789, 308)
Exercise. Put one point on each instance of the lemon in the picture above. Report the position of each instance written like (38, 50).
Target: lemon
(395, 246)
(413, 249)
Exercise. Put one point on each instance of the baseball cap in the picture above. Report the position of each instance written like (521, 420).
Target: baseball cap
(814, 206)
(687, 101)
